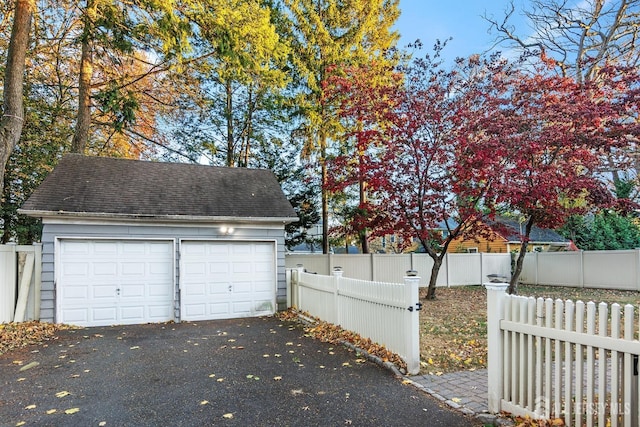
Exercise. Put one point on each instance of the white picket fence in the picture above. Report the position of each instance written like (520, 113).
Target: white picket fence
(456, 269)
(20, 278)
(387, 313)
(560, 359)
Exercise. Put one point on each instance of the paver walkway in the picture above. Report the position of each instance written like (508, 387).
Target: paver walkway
(465, 390)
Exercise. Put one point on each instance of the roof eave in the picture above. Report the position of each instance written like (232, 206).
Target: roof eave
(142, 217)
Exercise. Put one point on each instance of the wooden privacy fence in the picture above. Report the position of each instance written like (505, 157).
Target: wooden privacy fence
(387, 313)
(560, 359)
(20, 278)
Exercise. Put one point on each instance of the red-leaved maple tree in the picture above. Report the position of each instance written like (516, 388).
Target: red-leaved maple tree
(541, 143)
(405, 151)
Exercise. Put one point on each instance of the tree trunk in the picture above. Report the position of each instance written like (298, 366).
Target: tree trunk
(437, 263)
(249, 129)
(364, 241)
(325, 194)
(83, 122)
(7, 226)
(12, 119)
(513, 284)
(229, 114)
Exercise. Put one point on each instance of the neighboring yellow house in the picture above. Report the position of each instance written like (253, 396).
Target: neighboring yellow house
(540, 240)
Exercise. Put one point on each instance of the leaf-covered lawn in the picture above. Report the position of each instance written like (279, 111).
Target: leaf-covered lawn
(453, 335)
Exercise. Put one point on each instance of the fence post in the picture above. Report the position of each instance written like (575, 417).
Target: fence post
(295, 285)
(582, 269)
(637, 270)
(495, 302)
(412, 322)
(337, 274)
(37, 275)
(447, 270)
(372, 259)
(288, 277)
(8, 274)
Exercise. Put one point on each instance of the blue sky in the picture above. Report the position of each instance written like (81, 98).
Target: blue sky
(429, 20)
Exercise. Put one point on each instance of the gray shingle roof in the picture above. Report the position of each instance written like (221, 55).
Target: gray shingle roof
(537, 234)
(101, 186)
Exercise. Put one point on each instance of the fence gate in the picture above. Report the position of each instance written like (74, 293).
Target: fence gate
(20, 278)
(559, 359)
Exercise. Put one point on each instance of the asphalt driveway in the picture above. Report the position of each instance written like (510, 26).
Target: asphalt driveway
(249, 372)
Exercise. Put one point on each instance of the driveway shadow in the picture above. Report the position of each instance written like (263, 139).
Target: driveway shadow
(249, 372)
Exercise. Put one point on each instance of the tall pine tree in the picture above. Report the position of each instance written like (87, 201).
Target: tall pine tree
(330, 34)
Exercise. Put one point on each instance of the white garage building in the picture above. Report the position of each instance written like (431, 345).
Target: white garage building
(128, 242)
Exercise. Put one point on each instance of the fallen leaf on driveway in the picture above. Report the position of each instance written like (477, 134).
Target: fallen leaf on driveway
(220, 380)
(30, 407)
(51, 411)
(135, 347)
(456, 400)
(72, 411)
(29, 366)
(204, 402)
(228, 416)
(212, 375)
(20, 379)
(278, 378)
(102, 423)
(20, 423)
(62, 393)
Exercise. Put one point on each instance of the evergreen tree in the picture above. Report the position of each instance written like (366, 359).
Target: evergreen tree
(330, 34)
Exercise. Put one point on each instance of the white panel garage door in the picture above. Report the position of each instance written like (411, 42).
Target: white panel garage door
(108, 282)
(224, 280)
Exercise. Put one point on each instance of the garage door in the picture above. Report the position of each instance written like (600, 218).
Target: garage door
(107, 282)
(223, 280)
